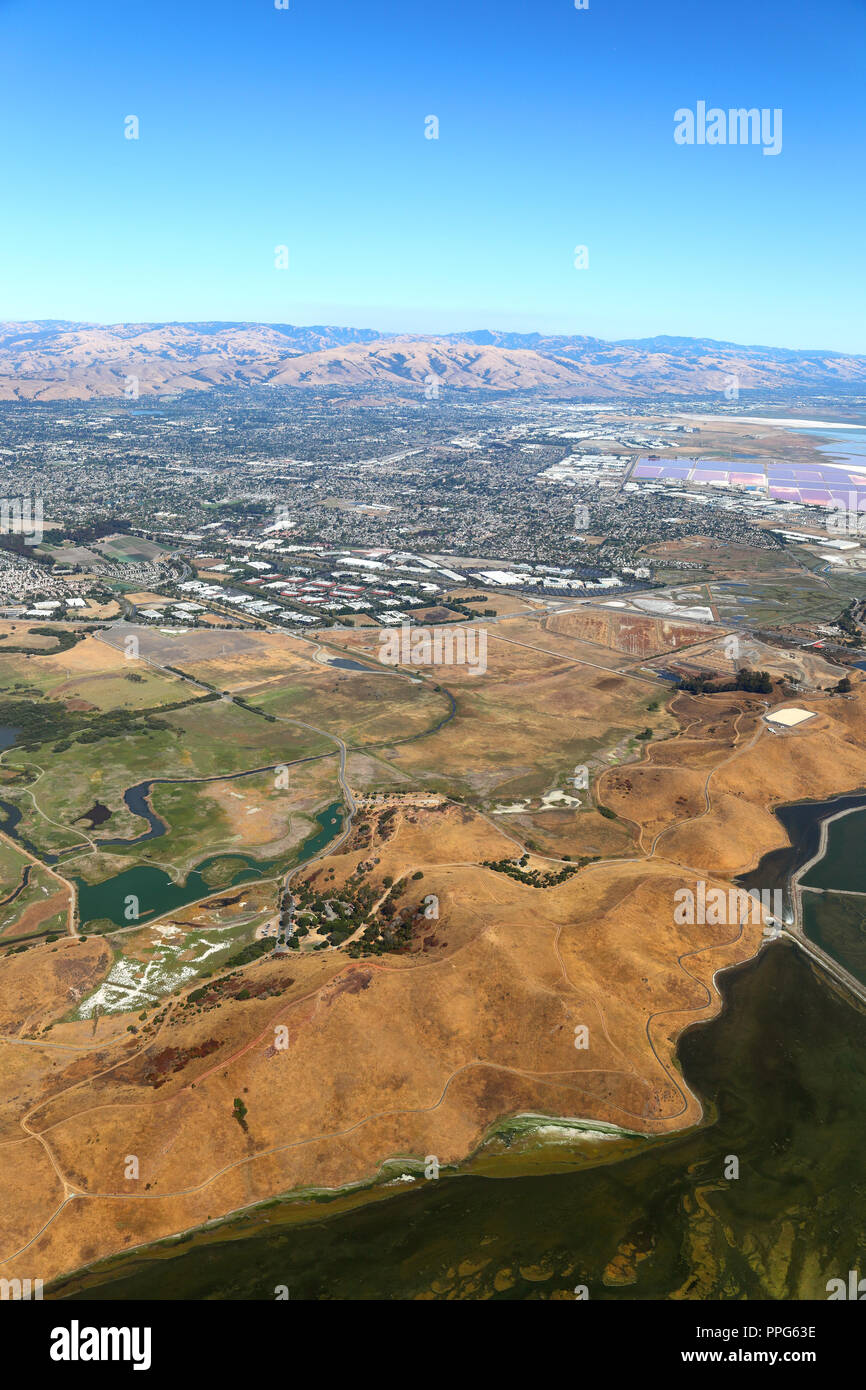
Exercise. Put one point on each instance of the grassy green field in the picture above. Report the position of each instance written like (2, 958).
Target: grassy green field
(250, 815)
(361, 709)
(202, 741)
(113, 687)
(224, 737)
(25, 915)
(12, 866)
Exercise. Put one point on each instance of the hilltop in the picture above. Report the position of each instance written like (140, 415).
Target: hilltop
(53, 360)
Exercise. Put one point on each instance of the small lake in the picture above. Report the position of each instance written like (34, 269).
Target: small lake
(158, 893)
(154, 891)
(97, 815)
(8, 736)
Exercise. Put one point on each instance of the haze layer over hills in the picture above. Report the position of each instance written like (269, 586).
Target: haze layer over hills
(55, 360)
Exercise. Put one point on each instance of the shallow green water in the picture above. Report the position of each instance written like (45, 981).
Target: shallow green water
(844, 864)
(836, 921)
(153, 890)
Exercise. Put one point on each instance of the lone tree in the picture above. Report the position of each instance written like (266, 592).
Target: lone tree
(240, 1113)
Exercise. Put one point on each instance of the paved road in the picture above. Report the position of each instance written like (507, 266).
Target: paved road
(333, 845)
(580, 661)
(827, 963)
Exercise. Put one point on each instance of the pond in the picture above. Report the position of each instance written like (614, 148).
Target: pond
(156, 892)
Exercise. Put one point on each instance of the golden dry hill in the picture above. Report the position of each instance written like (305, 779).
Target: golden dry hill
(548, 986)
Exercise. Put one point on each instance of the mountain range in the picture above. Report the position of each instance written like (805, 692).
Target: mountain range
(51, 360)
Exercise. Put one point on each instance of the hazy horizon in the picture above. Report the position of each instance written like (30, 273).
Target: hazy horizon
(388, 332)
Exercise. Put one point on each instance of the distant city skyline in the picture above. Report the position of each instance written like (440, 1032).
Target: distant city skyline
(485, 165)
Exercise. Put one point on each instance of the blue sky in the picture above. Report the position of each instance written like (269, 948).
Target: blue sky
(305, 127)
